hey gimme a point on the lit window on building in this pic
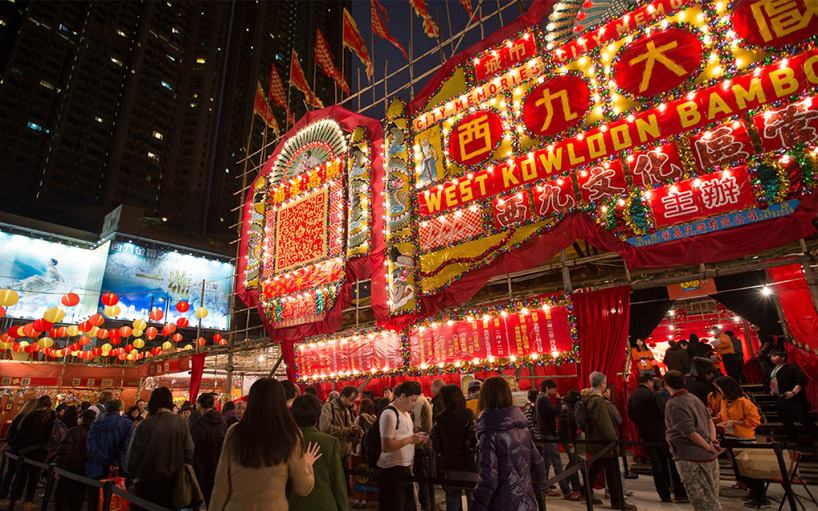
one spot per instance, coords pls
(122, 33)
(46, 84)
(200, 60)
(116, 61)
(158, 135)
(35, 126)
(167, 85)
(153, 156)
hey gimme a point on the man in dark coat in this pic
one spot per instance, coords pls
(603, 429)
(72, 455)
(548, 413)
(646, 408)
(787, 384)
(208, 436)
(676, 358)
(108, 441)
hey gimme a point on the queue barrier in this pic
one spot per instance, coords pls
(108, 488)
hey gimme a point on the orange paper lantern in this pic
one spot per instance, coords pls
(182, 307)
(70, 299)
(109, 299)
(97, 320)
(157, 315)
(125, 331)
(182, 322)
(177, 337)
(151, 333)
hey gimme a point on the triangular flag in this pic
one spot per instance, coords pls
(324, 58)
(298, 79)
(278, 95)
(262, 108)
(354, 41)
(379, 27)
(467, 5)
(429, 26)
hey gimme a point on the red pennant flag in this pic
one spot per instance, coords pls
(354, 41)
(298, 79)
(278, 95)
(428, 25)
(262, 108)
(324, 58)
(379, 27)
(467, 5)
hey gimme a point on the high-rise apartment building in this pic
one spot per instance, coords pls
(144, 103)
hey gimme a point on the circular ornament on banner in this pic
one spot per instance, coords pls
(658, 63)
(556, 105)
(773, 24)
(475, 137)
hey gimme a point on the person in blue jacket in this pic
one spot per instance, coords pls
(108, 441)
(509, 466)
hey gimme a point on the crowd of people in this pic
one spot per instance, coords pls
(283, 449)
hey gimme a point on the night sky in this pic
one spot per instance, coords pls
(398, 25)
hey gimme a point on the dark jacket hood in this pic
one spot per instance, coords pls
(501, 419)
(212, 417)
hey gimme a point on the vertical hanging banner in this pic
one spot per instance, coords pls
(261, 107)
(355, 43)
(298, 79)
(324, 58)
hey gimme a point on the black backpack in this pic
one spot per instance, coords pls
(372, 439)
(583, 419)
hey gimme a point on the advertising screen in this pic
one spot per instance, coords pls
(148, 278)
(42, 272)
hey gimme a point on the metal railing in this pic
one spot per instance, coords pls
(51, 470)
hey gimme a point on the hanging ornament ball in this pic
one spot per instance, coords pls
(139, 343)
(168, 329)
(102, 333)
(217, 338)
(177, 337)
(201, 313)
(151, 333)
(156, 315)
(182, 307)
(122, 356)
(53, 315)
(156, 350)
(109, 299)
(139, 324)
(167, 345)
(202, 342)
(97, 352)
(125, 331)
(129, 348)
(96, 319)
(182, 322)
(42, 325)
(70, 299)
(222, 342)
(8, 297)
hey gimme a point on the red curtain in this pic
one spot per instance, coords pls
(196, 369)
(602, 322)
(793, 294)
(808, 362)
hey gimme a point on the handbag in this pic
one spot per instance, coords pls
(186, 491)
(762, 463)
(466, 480)
(117, 503)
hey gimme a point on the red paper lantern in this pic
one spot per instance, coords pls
(97, 352)
(156, 315)
(140, 356)
(85, 340)
(41, 325)
(109, 299)
(2, 311)
(76, 346)
(156, 350)
(217, 338)
(151, 333)
(202, 342)
(70, 299)
(13, 333)
(222, 342)
(168, 329)
(97, 320)
(6, 338)
(122, 356)
(129, 348)
(125, 331)
(16, 347)
(182, 322)
(182, 307)
(30, 331)
(54, 332)
(62, 331)
(29, 349)
(177, 337)
(85, 326)
(102, 333)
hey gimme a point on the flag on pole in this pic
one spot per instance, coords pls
(262, 108)
(324, 58)
(278, 94)
(354, 41)
(298, 79)
(428, 25)
(467, 5)
(379, 26)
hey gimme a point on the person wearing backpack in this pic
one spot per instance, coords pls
(593, 415)
(208, 433)
(397, 443)
(454, 440)
(99, 408)
(338, 419)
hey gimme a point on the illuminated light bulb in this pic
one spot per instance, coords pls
(440, 365)
(475, 361)
(604, 209)
(621, 202)
(512, 358)
(534, 356)
(486, 317)
(726, 173)
(697, 182)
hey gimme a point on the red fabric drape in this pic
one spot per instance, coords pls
(602, 323)
(197, 362)
(793, 294)
(808, 362)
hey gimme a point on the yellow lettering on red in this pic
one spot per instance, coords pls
(481, 183)
(451, 198)
(717, 106)
(508, 176)
(465, 191)
(809, 69)
(433, 200)
(596, 145)
(529, 167)
(551, 160)
(689, 114)
(621, 137)
(784, 82)
(752, 93)
(572, 158)
(649, 126)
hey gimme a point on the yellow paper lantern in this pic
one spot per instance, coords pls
(106, 347)
(201, 313)
(4, 346)
(59, 353)
(188, 347)
(46, 342)
(137, 333)
(138, 343)
(54, 315)
(92, 332)
(8, 297)
(167, 345)
(139, 325)
(112, 311)
(72, 330)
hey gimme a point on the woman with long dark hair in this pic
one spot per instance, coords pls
(12, 444)
(511, 468)
(454, 440)
(261, 453)
(35, 432)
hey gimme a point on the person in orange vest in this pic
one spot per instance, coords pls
(724, 346)
(642, 357)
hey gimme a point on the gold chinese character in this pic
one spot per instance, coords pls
(783, 15)
(278, 197)
(492, 64)
(474, 131)
(654, 55)
(314, 180)
(517, 51)
(547, 98)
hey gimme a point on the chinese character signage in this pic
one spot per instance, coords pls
(775, 23)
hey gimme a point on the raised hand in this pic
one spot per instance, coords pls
(312, 454)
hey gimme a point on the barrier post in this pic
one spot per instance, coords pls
(107, 492)
(618, 471)
(785, 476)
(49, 486)
(589, 485)
(18, 477)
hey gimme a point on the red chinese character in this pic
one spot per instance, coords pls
(511, 211)
(651, 167)
(599, 184)
(719, 147)
(678, 203)
(719, 192)
(552, 200)
(791, 124)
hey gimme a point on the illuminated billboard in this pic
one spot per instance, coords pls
(42, 272)
(147, 278)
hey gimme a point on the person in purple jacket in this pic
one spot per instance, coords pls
(509, 466)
